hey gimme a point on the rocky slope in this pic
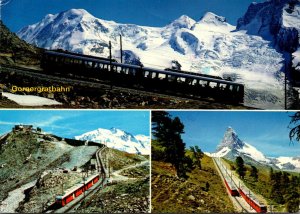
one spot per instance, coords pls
(29, 155)
(277, 21)
(14, 50)
(36, 166)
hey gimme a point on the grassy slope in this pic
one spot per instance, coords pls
(172, 194)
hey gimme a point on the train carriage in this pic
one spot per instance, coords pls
(75, 191)
(249, 197)
(231, 187)
(169, 81)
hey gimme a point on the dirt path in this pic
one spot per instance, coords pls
(116, 174)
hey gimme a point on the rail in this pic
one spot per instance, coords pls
(232, 198)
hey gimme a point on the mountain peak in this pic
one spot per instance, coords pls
(118, 139)
(211, 18)
(230, 140)
(79, 12)
(183, 21)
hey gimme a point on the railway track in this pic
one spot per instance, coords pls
(104, 85)
(241, 207)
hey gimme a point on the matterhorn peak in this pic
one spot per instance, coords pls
(230, 140)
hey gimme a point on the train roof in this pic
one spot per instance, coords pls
(252, 196)
(230, 183)
(70, 191)
(75, 187)
(91, 178)
(179, 74)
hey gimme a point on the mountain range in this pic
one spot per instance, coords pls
(118, 139)
(232, 146)
(253, 53)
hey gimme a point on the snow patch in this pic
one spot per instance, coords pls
(29, 100)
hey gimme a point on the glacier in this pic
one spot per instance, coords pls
(210, 46)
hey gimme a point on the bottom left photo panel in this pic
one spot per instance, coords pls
(74, 161)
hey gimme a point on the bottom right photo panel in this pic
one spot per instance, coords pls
(225, 161)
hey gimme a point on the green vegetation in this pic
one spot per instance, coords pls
(169, 144)
(295, 130)
(183, 180)
(203, 191)
(169, 147)
(16, 51)
(240, 168)
(197, 156)
(254, 173)
(281, 189)
(285, 189)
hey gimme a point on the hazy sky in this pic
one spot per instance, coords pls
(69, 123)
(267, 131)
(20, 13)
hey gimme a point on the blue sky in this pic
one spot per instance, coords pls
(19, 13)
(69, 123)
(267, 131)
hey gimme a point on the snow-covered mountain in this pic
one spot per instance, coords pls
(119, 139)
(231, 147)
(210, 46)
(277, 21)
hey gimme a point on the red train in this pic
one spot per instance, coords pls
(75, 191)
(252, 201)
(231, 187)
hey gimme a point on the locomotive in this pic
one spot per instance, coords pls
(169, 81)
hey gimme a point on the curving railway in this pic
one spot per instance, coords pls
(73, 197)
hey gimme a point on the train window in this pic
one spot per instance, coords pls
(213, 84)
(161, 76)
(203, 82)
(182, 79)
(171, 78)
(146, 73)
(119, 69)
(222, 86)
(154, 75)
(231, 87)
(67, 60)
(194, 82)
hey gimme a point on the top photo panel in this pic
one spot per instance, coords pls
(142, 54)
